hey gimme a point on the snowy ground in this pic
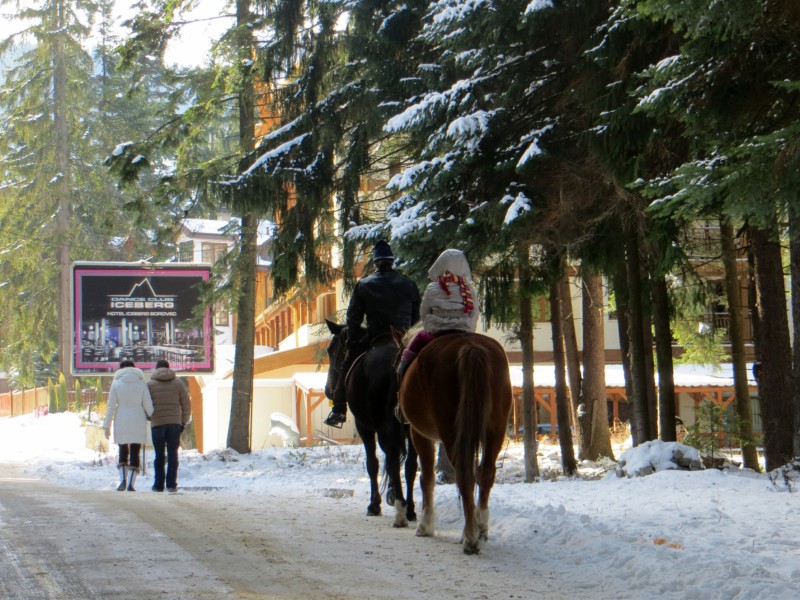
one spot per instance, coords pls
(673, 534)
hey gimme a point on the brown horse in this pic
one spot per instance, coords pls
(458, 391)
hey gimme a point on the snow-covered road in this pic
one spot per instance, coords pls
(66, 543)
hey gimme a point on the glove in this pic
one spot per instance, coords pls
(183, 428)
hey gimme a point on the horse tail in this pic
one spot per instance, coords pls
(474, 376)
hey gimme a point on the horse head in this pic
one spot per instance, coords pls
(337, 347)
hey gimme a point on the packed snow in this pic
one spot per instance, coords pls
(672, 534)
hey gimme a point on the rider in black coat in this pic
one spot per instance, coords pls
(387, 299)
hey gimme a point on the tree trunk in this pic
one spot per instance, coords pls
(794, 267)
(666, 377)
(775, 386)
(639, 402)
(621, 296)
(562, 401)
(571, 351)
(239, 430)
(594, 370)
(63, 203)
(649, 361)
(736, 334)
(526, 343)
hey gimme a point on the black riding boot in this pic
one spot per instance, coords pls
(338, 414)
(408, 358)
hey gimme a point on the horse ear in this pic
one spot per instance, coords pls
(334, 328)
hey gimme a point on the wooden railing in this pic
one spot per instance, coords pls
(23, 402)
(37, 400)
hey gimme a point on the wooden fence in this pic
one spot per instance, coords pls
(24, 402)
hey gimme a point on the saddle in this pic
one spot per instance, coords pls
(364, 345)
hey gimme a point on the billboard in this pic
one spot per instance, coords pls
(142, 312)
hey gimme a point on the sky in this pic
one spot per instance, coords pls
(675, 534)
(189, 48)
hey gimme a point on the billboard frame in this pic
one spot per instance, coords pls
(118, 313)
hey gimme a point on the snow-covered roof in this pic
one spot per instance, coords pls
(311, 381)
(206, 226)
(221, 227)
(685, 376)
(544, 376)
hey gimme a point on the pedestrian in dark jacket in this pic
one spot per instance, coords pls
(171, 412)
(387, 299)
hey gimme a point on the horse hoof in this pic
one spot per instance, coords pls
(371, 512)
(471, 549)
(412, 516)
(422, 532)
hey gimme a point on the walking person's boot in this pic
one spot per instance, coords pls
(132, 480)
(123, 473)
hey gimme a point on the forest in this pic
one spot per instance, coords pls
(632, 143)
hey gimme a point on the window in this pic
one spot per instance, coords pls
(211, 253)
(186, 252)
(221, 315)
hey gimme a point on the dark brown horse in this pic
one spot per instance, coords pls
(371, 389)
(458, 391)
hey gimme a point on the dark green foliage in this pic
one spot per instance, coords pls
(99, 117)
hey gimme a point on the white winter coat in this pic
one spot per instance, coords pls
(440, 311)
(129, 405)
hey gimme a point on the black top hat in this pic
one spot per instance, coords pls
(382, 251)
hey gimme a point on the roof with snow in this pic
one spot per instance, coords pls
(226, 227)
(685, 376)
(698, 376)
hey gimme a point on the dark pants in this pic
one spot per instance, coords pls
(129, 456)
(166, 437)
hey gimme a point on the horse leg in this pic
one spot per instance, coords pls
(391, 450)
(486, 476)
(411, 476)
(374, 508)
(427, 460)
(470, 539)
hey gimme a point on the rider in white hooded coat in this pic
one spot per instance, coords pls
(448, 303)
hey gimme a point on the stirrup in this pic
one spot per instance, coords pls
(335, 420)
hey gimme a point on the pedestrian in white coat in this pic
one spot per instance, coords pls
(129, 407)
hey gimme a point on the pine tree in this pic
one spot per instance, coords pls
(63, 111)
(731, 85)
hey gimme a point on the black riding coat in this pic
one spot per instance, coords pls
(386, 298)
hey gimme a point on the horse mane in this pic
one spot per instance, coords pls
(411, 333)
